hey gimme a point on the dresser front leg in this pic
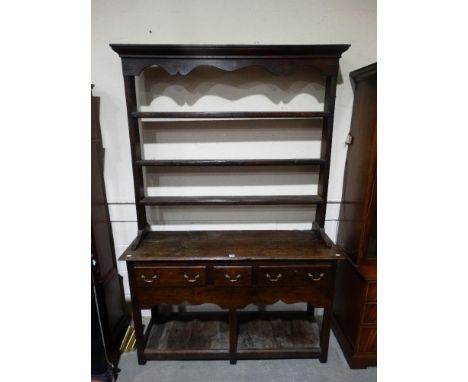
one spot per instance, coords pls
(154, 313)
(233, 333)
(136, 313)
(311, 311)
(138, 325)
(325, 334)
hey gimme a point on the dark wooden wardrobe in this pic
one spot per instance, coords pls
(354, 318)
(109, 317)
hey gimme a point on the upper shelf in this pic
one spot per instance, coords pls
(230, 162)
(231, 115)
(231, 200)
(182, 59)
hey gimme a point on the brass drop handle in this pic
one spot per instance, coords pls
(278, 276)
(315, 278)
(238, 276)
(154, 277)
(187, 277)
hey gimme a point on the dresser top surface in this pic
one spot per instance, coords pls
(230, 246)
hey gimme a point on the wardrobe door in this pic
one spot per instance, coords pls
(357, 210)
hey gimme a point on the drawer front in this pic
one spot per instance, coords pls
(170, 276)
(292, 275)
(232, 276)
(372, 292)
(368, 340)
(370, 314)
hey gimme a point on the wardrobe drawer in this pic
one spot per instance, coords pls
(368, 340)
(170, 276)
(293, 275)
(370, 314)
(372, 292)
(232, 276)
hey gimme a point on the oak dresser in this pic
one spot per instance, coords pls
(231, 269)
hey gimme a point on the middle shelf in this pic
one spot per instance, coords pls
(231, 162)
(231, 114)
(232, 200)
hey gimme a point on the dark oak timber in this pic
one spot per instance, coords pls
(110, 317)
(326, 239)
(327, 135)
(182, 59)
(233, 269)
(232, 115)
(227, 51)
(230, 200)
(233, 334)
(135, 145)
(176, 246)
(231, 162)
(355, 306)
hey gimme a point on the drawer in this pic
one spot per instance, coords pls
(368, 340)
(170, 276)
(232, 276)
(293, 275)
(372, 292)
(370, 314)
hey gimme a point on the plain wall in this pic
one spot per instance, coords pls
(224, 22)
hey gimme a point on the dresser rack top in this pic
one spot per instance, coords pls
(277, 59)
(182, 59)
(132, 50)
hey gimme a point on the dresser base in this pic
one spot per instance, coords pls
(232, 269)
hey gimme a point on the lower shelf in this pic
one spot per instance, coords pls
(278, 333)
(189, 333)
(259, 335)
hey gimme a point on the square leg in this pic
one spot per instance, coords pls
(139, 335)
(325, 334)
(233, 329)
(311, 311)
